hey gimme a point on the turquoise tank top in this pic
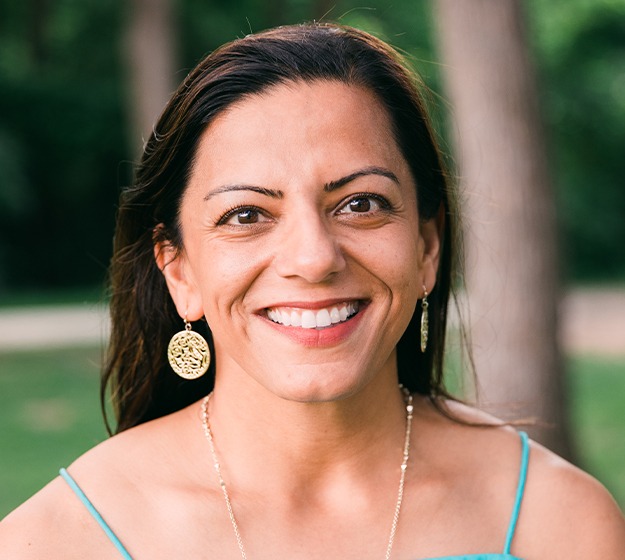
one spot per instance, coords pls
(505, 555)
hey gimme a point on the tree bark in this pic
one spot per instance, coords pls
(149, 50)
(512, 272)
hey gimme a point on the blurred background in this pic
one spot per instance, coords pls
(81, 83)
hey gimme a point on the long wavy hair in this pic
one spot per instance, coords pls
(137, 374)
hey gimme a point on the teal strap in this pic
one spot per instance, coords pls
(94, 512)
(525, 452)
(490, 556)
(509, 536)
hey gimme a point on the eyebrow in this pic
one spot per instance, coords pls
(260, 190)
(328, 187)
(373, 170)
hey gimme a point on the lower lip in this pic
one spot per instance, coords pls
(327, 336)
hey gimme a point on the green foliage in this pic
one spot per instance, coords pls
(67, 162)
(64, 138)
(581, 53)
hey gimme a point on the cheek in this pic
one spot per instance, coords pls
(396, 258)
(226, 274)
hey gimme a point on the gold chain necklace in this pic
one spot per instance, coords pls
(400, 492)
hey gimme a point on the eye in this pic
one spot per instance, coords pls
(364, 204)
(359, 205)
(247, 216)
(242, 215)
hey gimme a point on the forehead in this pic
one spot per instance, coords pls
(303, 122)
(315, 97)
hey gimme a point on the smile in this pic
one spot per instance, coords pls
(313, 318)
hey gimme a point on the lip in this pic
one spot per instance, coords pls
(331, 335)
(320, 304)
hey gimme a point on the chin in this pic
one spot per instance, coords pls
(303, 387)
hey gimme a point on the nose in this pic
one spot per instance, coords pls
(309, 249)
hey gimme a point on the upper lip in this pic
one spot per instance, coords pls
(319, 304)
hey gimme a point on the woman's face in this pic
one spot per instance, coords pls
(302, 242)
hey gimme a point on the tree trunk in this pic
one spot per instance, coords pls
(512, 271)
(150, 54)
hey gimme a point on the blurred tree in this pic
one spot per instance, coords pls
(150, 55)
(62, 135)
(322, 9)
(275, 12)
(512, 257)
(39, 10)
(67, 131)
(582, 50)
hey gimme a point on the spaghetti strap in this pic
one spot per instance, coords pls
(509, 536)
(525, 450)
(96, 515)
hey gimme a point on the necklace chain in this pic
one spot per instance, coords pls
(400, 492)
(209, 436)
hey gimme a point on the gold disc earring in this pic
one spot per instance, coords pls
(425, 323)
(188, 353)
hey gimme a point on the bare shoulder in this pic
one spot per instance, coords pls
(54, 523)
(116, 476)
(51, 524)
(572, 513)
(565, 513)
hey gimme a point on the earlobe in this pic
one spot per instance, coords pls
(174, 265)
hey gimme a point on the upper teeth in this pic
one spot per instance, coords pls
(311, 319)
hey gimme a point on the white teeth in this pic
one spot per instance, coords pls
(286, 318)
(343, 313)
(323, 318)
(296, 319)
(309, 319)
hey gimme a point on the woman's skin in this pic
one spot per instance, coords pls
(300, 201)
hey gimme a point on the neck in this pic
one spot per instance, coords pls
(258, 434)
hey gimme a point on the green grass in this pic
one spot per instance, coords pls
(597, 387)
(50, 414)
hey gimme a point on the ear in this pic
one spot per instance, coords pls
(183, 288)
(431, 232)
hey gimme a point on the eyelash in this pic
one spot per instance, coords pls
(385, 205)
(235, 210)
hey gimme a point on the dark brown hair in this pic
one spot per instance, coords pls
(143, 315)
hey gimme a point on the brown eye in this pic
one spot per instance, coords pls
(364, 204)
(243, 216)
(247, 216)
(360, 205)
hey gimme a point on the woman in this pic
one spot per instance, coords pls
(291, 208)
